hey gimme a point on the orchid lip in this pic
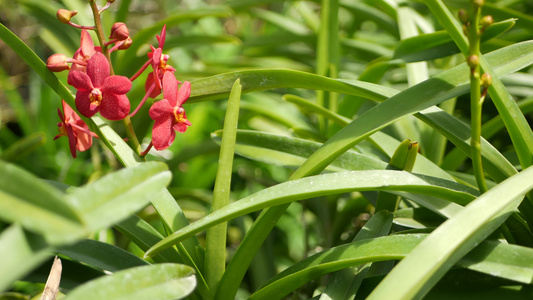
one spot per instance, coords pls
(95, 97)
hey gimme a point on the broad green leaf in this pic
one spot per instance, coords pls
(20, 252)
(427, 263)
(498, 259)
(320, 185)
(101, 255)
(120, 194)
(37, 206)
(161, 281)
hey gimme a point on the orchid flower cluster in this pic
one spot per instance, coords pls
(100, 91)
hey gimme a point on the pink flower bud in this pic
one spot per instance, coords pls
(119, 31)
(64, 15)
(57, 63)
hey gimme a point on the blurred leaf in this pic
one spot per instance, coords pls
(161, 281)
(48, 214)
(23, 147)
(439, 44)
(20, 252)
(292, 152)
(119, 194)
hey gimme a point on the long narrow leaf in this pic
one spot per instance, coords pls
(321, 185)
(427, 263)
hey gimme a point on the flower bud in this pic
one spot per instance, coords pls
(479, 3)
(463, 16)
(125, 44)
(486, 21)
(64, 15)
(57, 63)
(119, 31)
(472, 61)
(486, 80)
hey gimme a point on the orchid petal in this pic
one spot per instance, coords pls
(184, 93)
(85, 140)
(163, 134)
(161, 39)
(83, 104)
(61, 116)
(161, 110)
(182, 127)
(71, 141)
(119, 85)
(87, 45)
(170, 88)
(98, 69)
(80, 81)
(114, 107)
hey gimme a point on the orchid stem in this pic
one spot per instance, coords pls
(100, 32)
(476, 99)
(131, 134)
(143, 100)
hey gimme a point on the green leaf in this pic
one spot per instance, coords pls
(292, 152)
(21, 251)
(320, 185)
(161, 281)
(426, 264)
(439, 44)
(515, 122)
(219, 86)
(215, 244)
(494, 258)
(120, 194)
(101, 255)
(23, 147)
(48, 214)
(344, 283)
(435, 90)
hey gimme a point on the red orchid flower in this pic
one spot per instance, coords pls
(85, 52)
(98, 91)
(158, 60)
(168, 114)
(72, 126)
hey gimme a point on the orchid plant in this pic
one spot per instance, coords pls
(330, 156)
(99, 91)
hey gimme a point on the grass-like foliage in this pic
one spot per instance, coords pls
(266, 149)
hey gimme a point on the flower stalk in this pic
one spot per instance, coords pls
(473, 32)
